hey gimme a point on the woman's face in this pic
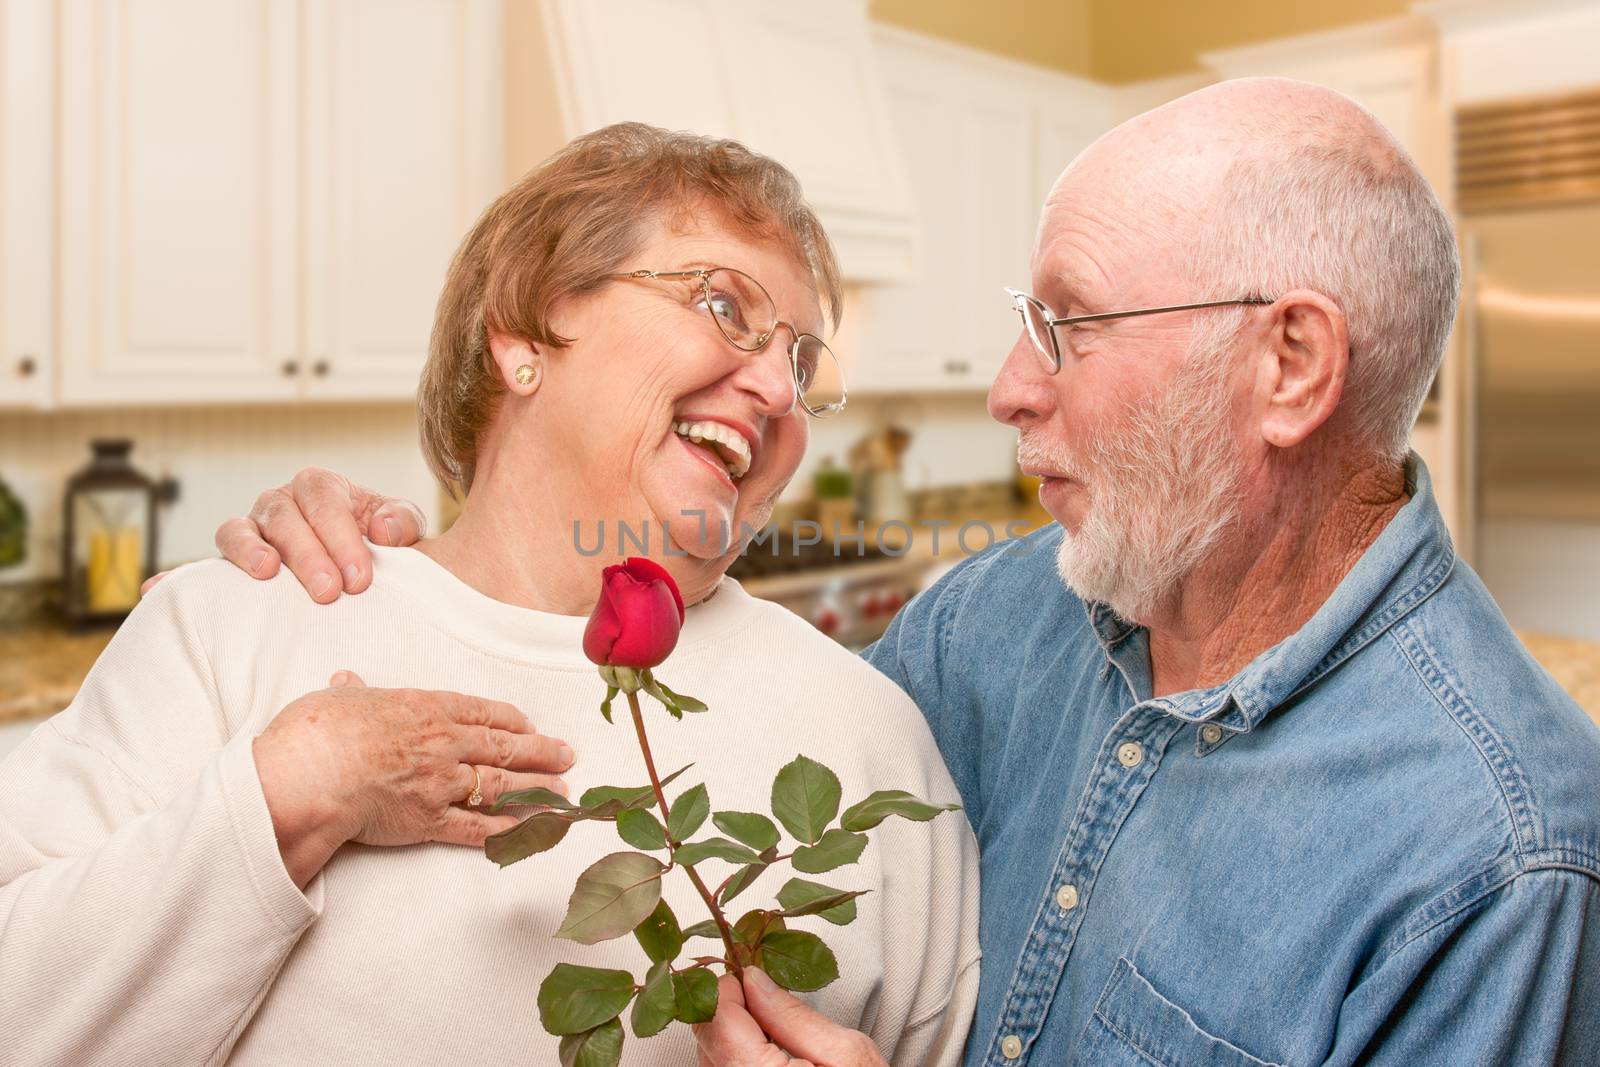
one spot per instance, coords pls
(647, 362)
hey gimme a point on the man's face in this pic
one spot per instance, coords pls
(1133, 437)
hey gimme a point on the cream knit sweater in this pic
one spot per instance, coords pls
(146, 916)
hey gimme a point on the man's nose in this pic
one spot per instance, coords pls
(1022, 392)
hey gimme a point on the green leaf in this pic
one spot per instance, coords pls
(641, 829)
(656, 1004)
(537, 797)
(703, 928)
(688, 813)
(612, 897)
(696, 994)
(754, 926)
(631, 796)
(886, 802)
(605, 705)
(536, 833)
(685, 703)
(754, 830)
(742, 881)
(573, 999)
(661, 694)
(805, 798)
(659, 935)
(719, 847)
(800, 897)
(599, 1047)
(837, 848)
(798, 960)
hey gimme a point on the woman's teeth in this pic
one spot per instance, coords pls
(734, 450)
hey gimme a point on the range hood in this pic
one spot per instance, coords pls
(798, 82)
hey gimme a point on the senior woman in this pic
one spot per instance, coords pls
(210, 858)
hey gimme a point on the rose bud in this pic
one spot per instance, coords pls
(637, 619)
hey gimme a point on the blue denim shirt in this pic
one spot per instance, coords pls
(1378, 843)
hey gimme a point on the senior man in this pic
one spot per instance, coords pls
(1258, 770)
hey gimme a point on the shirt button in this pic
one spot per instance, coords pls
(1067, 897)
(1211, 733)
(1011, 1046)
(1129, 753)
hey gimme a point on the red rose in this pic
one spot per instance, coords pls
(637, 619)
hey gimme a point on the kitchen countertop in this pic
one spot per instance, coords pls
(42, 666)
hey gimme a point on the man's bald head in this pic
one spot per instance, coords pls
(1262, 185)
(1177, 157)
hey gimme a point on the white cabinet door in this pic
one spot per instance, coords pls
(1001, 209)
(178, 201)
(909, 336)
(27, 261)
(403, 135)
(966, 132)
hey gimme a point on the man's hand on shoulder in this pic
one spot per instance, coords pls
(759, 1025)
(315, 524)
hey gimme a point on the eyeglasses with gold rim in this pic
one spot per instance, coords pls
(747, 318)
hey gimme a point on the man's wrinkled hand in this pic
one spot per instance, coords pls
(759, 1025)
(315, 524)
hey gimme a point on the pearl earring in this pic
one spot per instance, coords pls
(527, 374)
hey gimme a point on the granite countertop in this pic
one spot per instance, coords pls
(42, 666)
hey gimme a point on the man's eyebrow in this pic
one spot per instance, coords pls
(1062, 287)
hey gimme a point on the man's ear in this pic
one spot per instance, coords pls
(510, 352)
(1301, 375)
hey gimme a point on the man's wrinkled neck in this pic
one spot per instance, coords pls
(1270, 575)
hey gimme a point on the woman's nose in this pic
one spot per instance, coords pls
(1022, 392)
(768, 376)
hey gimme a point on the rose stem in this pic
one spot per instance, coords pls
(661, 798)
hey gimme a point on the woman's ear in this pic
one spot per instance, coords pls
(1305, 367)
(520, 364)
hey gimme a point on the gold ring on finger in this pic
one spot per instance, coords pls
(475, 797)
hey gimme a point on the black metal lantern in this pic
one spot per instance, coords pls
(110, 544)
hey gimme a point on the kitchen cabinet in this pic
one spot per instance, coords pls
(259, 199)
(403, 151)
(978, 135)
(797, 82)
(27, 348)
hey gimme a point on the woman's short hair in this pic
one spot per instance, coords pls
(557, 233)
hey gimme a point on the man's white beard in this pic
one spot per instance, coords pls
(1162, 489)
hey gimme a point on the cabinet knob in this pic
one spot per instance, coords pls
(290, 368)
(26, 366)
(320, 368)
(956, 366)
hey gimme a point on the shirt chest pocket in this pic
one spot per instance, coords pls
(1134, 1026)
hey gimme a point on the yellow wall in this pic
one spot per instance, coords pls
(1050, 33)
(1136, 39)
(1122, 40)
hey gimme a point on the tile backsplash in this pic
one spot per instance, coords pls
(222, 458)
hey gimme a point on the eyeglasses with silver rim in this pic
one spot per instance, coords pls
(747, 318)
(1040, 322)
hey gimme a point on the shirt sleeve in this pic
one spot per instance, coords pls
(144, 907)
(1512, 977)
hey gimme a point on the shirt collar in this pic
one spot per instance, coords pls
(1402, 568)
